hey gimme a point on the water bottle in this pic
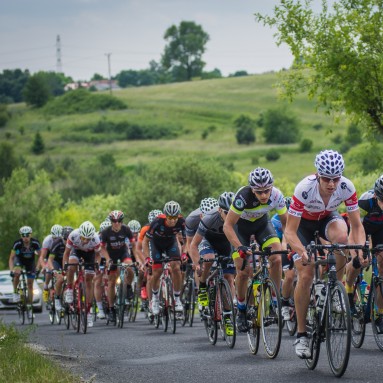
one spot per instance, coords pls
(319, 294)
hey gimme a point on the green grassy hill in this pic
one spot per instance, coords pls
(192, 107)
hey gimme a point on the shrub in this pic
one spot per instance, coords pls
(306, 145)
(272, 155)
(317, 126)
(245, 127)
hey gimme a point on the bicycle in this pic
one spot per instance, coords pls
(23, 307)
(78, 309)
(167, 312)
(263, 305)
(132, 308)
(328, 315)
(188, 296)
(375, 295)
(53, 314)
(220, 310)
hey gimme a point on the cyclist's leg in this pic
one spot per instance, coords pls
(206, 252)
(155, 255)
(173, 253)
(17, 265)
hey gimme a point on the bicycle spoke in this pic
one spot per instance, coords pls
(358, 326)
(228, 314)
(378, 335)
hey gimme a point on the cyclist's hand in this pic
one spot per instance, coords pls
(304, 258)
(363, 261)
(243, 251)
(148, 262)
(184, 258)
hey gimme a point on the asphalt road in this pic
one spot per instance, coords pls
(140, 353)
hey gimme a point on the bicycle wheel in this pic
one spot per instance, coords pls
(338, 329)
(74, 310)
(134, 303)
(51, 306)
(271, 318)
(358, 325)
(186, 304)
(171, 307)
(21, 310)
(211, 325)
(292, 324)
(227, 314)
(253, 330)
(120, 304)
(378, 336)
(164, 307)
(83, 307)
(313, 331)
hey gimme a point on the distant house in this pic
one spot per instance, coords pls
(97, 84)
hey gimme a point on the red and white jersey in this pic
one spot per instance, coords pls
(308, 204)
(74, 242)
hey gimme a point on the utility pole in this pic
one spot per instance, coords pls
(58, 55)
(110, 76)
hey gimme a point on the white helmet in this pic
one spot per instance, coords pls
(172, 208)
(260, 178)
(378, 187)
(153, 214)
(208, 204)
(329, 163)
(25, 230)
(134, 226)
(57, 231)
(87, 230)
(104, 225)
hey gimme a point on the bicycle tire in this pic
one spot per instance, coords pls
(313, 330)
(211, 324)
(134, 304)
(51, 305)
(75, 312)
(171, 307)
(164, 302)
(338, 329)
(374, 315)
(29, 312)
(227, 314)
(358, 325)
(185, 299)
(292, 324)
(253, 330)
(83, 307)
(120, 304)
(271, 318)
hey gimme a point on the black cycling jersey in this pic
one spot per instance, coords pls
(25, 256)
(57, 250)
(116, 242)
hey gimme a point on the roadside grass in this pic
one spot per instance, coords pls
(20, 364)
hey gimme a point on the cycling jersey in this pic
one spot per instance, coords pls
(116, 243)
(308, 203)
(162, 234)
(192, 221)
(143, 231)
(57, 249)
(25, 256)
(276, 222)
(74, 242)
(373, 217)
(250, 208)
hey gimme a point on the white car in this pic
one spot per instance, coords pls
(6, 293)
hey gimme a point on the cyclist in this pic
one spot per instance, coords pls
(49, 240)
(115, 243)
(146, 290)
(314, 208)
(247, 217)
(55, 261)
(210, 241)
(82, 243)
(23, 254)
(162, 238)
(192, 221)
(97, 280)
(371, 205)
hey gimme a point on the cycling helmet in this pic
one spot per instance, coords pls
(260, 178)
(225, 200)
(25, 230)
(172, 208)
(116, 215)
(57, 230)
(104, 225)
(378, 187)
(208, 204)
(134, 226)
(153, 214)
(329, 163)
(87, 230)
(66, 231)
(288, 201)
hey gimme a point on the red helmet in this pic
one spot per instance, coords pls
(116, 216)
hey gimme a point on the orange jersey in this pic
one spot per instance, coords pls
(143, 231)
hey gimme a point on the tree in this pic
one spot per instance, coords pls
(280, 126)
(12, 83)
(337, 54)
(36, 91)
(183, 53)
(38, 145)
(245, 130)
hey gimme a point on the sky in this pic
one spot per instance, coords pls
(131, 33)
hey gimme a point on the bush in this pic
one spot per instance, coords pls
(245, 130)
(306, 145)
(280, 126)
(272, 155)
(317, 126)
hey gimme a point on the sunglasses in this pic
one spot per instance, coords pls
(260, 192)
(116, 220)
(83, 239)
(25, 235)
(329, 179)
(172, 217)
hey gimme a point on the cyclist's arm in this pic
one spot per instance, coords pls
(50, 261)
(194, 253)
(104, 252)
(66, 255)
(228, 228)
(140, 254)
(11, 259)
(292, 236)
(283, 218)
(145, 247)
(357, 233)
